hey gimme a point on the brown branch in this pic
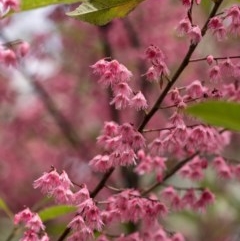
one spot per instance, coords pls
(101, 184)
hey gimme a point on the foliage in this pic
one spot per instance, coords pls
(99, 12)
(218, 113)
(29, 4)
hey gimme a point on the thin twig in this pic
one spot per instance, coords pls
(169, 174)
(168, 128)
(215, 58)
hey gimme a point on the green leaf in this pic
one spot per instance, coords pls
(217, 113)
(31, 4)
(5, 208)
(55, 211)
(101, 12)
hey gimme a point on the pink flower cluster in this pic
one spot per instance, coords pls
(232, 18)
(130, 206)
(186, 26)
(33, 224)
(88, 215)
(223, 70)
(190, 199)
(194, 32)
(148, 164)
(121, 142)
(159, 67)
(117, 76)
(194, 169)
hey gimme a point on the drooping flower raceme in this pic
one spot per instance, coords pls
(117, 76)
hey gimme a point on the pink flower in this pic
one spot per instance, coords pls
(220, 33)
(102, 238)
(234, 28)
(195, 89)
(29, 235)
(114, 67)
(168, 193)
(127, 158)
(77, 223)
(65, 181)
(145, 166)
(113, 143)
(210, 59)
(155, 209)
(122, 88)
(101, 163)
(93, 218)
(215, 74)
(184, 27)
(152, 74)
(62, 195)
(136, 210)
(187, 3)
(138, 141)
(175, 95)
(227, 67)
(107, 78)
(12, 4)
(127, 132)
(160, 235)
(159, 163)
(9, 57)
(139, 102)
(189, 198)
(215, 23)
(123, 74)
(23, 216)
(45, 238)
(81, 196)
(177, 120)
(153, 53)
(76, 236)
(120, 101)
(111, 73)
(181, 133)
(222, 169)
(48, 181)
(82, 235)
(195, 34)
(23, 49)
(100, 67)
(35, 223)
(234, 13)
(110, 128)
(205, 199)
